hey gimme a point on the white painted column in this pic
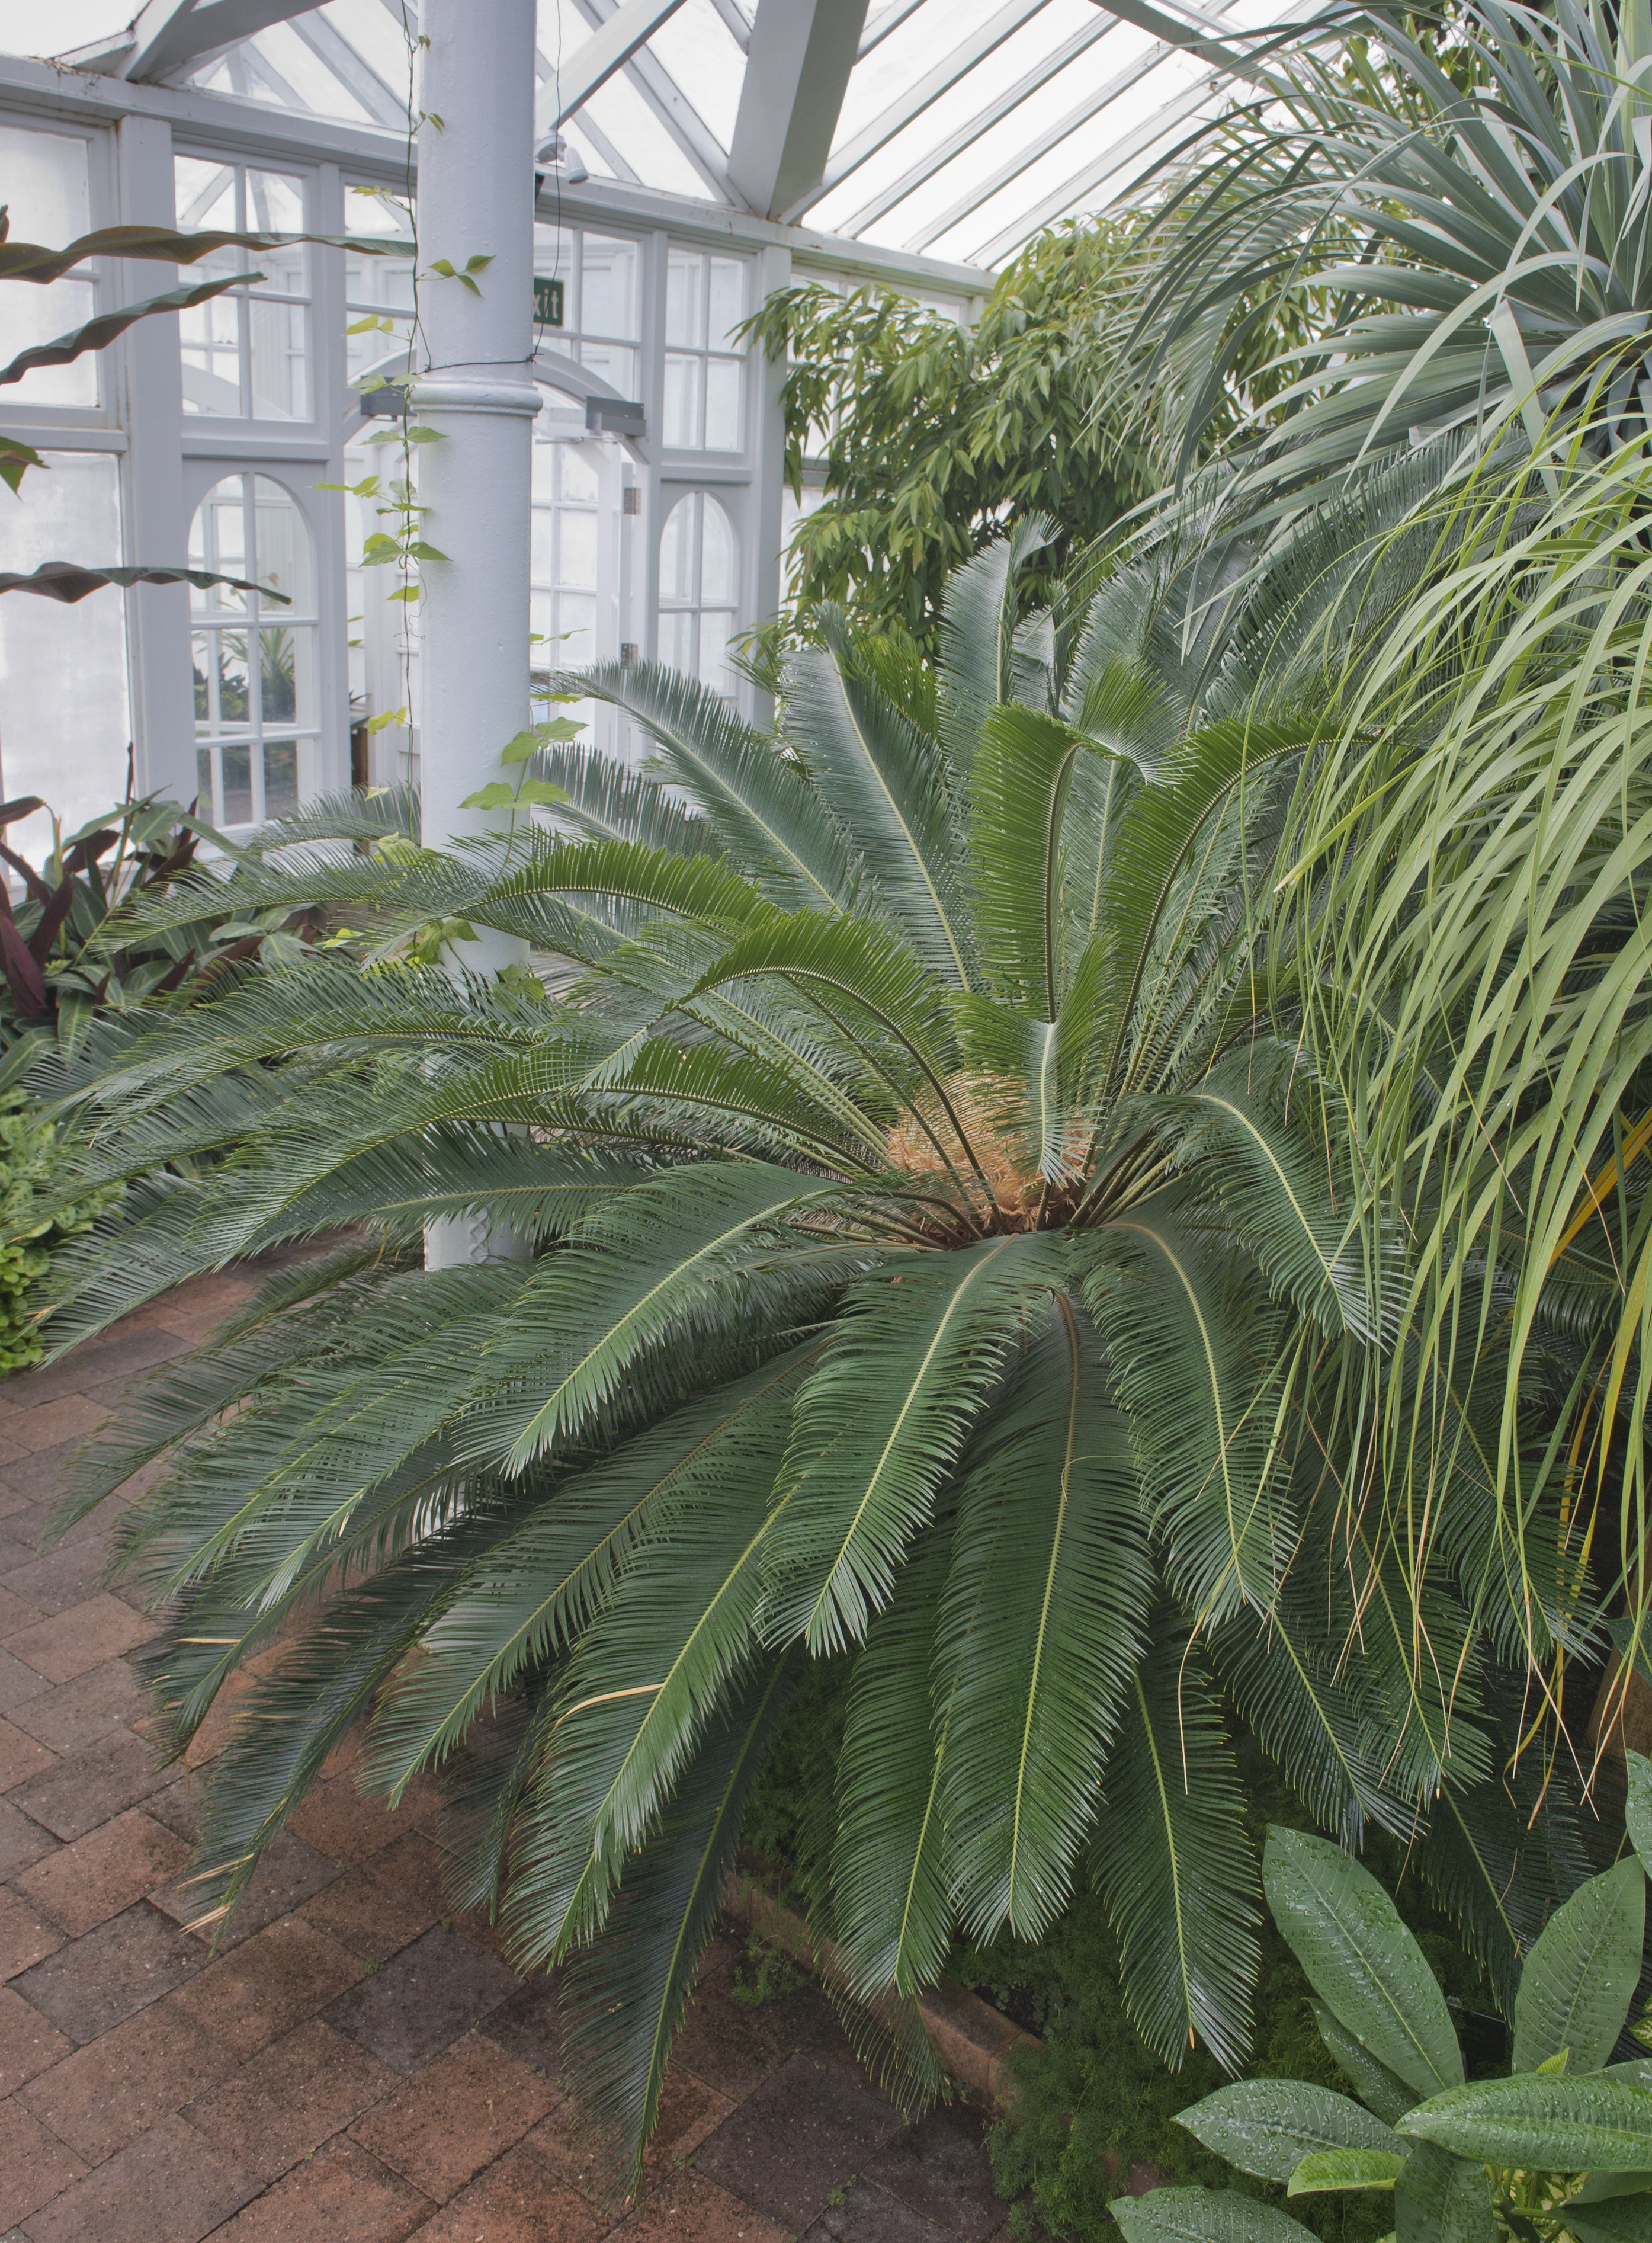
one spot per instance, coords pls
(475, 199)
(156, 521)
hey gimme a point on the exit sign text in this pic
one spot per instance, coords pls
(547, 303)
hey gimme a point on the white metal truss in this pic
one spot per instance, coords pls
(796, 62)
(633, 23)
(956, 63)
(937, 158)
(797, 71)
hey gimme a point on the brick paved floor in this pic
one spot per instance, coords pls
(349, 2066)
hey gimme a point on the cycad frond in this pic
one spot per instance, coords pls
(1174, 1864)
(1041, 1626)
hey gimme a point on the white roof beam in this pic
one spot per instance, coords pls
(631, 26)
(356, 76)
(957, 62)
(936, 159)
(698, 143)
(796, 75)
(168, 37)
(735, 21)
(888, 19)
(1031, 151)
(1065, 198)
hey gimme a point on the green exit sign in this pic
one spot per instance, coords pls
(547, 303)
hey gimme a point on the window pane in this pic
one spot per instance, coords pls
(541, 566)
(275, 204)
(716, 630)
(677, 641)
(210, 340)
(280, 373)
(676, 557)
(205, 191)
(261, 670)
(576, 620)
(616, 366)
(204, 785)
(579, 477)
(608, 290)
(685, 299)
(229, 698)
(283, 545)
(47, 189)
(280, 777)
(716, 556)
(280, 684)
(64, 724)
(724, 378)
(238, 782)
(578, 555)
(544, 472)
(683, 404)
(728, 302)
(218, 541)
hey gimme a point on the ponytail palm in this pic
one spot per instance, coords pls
(1482, 251)
(914, 1240)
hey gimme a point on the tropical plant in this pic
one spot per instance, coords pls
(931, 433)
(1482, 238)
(912, 1233)
(1560, 2149)
(32, 261)
(68, 945)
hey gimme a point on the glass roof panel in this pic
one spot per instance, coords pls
(965, 126)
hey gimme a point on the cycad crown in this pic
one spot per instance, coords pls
(925, 1247)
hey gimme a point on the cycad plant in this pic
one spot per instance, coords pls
(1560, 2151)
(909, 1237)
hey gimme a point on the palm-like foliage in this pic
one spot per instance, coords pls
(915, 1237)
(1484, 257)
(1482, 992)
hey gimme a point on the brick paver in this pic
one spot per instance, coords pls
(345, 2062)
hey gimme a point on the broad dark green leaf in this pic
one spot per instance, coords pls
(1637, 1806)
(1379, 2088)
(1203, 2215)
(1442, 2198)
(1360, 1960)
(1567, 2124)
(1267, 2126)
(1580, 1978)
(1326, 2170)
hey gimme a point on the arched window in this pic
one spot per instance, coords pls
(255, 661)
(698, 575)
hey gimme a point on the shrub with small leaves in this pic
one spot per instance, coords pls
(30, 1226)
